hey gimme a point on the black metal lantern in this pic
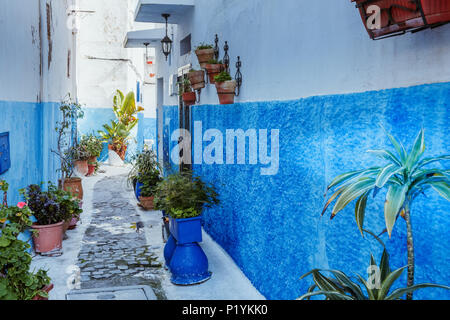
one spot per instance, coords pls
(166, 42)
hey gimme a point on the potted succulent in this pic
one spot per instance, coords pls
(118, 133)
(226, 88)
(197, 79)
(52, 209)
(185, 90)
(145, 175)
(204, 52)
(94, 148)
(16, 280)
(70, 111)
(214, 68)
(183, 196)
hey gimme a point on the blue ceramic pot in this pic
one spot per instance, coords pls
(189, 265)
(186, 230)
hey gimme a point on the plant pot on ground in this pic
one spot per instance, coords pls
(214, 68)
(204, 52)
(146, 173)
(197, 79)
(93, 146)
(73, 185)
(52, 210)
(226, 88)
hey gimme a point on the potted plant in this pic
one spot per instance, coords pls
(183, 196)
(118, 133)
(51, 209)
(145, 174)
(214, 68)
(94, 148)
(80, 157)
(16, 280)
(197, 79)
(226, 88)
(185, 90)
(70, 112)
(204, 52)
(400, 16)
(405, 176)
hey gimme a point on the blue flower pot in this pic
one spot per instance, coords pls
(169, 249)
(189, 265)
(186, 230)
(137, 191)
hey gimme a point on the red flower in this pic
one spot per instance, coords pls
(21, 204)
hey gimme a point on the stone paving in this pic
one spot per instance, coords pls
(113, 253)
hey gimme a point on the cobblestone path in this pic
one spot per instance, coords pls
(112, 253)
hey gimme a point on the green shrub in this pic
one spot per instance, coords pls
(203, 46)
(92, 144)
(222, 77)
(146, 169)
(183, 195)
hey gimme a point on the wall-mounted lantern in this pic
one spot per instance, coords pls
(166, 42)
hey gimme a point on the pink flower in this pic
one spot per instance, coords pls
(21, 204)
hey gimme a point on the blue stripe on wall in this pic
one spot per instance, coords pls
(170, 123)
(271, 225)
(32, 137)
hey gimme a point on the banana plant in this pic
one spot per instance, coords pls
(405, 176)
(125, 108)
(377, 287)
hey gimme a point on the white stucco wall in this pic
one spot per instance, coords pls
(291, 49)
(35, 39)
(100, 37)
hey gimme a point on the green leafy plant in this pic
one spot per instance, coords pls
(118, 133)
(203, 46)
(184, 86)
(146, 169)
(79, 152)
(16, 281)
(341, 287)
(184, 195)
(222, 77)
(405, 176)
(70, 111)
(92, 144)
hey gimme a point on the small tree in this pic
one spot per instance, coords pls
(405, 176)
(70, 112)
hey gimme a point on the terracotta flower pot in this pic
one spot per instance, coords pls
(47, 289)
(204, 56)
(73, 185)
(189, 98)
(197, 79)
(66, 225)
(82, 166)
(48, 238)
(405, 15)
(122, 152)
(213, 70)
(91, 170)
(147, 203)
(226, 91)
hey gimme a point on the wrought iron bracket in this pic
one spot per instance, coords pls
(226, 57)
(238, 76)
(216, 48)
(199, 93)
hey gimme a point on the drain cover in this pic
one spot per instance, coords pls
(113, 293)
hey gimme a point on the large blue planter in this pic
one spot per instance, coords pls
(186, 230)
(189, 265)
(169, 249)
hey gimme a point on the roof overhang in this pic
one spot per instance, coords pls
(152, 10)
(136, 39)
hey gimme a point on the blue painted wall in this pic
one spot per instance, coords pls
(271, 225)
(146, 130)
(170, 123)
(32, 136)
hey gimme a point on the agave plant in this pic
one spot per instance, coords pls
(406, 176)
(341, 287)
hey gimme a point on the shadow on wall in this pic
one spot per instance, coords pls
(271, 225)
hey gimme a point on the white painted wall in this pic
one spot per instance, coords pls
(26, 47)
(101, 36)
(298, 48)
